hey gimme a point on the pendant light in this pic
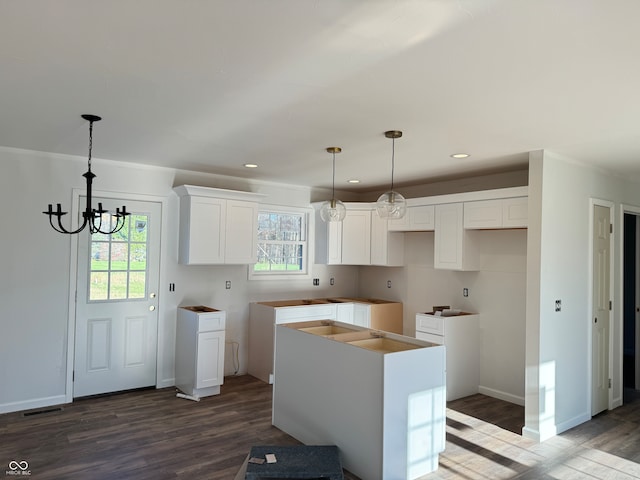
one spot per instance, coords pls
(92, 217)
(333, 210)
(391, 204)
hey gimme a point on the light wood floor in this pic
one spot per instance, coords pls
(151, 434)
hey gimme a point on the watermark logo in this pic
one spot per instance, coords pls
(18, 468)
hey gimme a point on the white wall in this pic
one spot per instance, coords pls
(558, 359)
(34, 288)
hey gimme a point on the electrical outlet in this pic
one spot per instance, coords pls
(465, 292)
(558, 305)
(227, 284)
(332, 281)
(388, 283)
(316, 282)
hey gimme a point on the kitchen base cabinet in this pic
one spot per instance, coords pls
(200, 350)
(460, 334)
(378, 397)
(264, 316)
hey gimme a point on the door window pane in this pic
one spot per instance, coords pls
(119, 261)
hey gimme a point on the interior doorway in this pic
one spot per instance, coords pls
(631, 302)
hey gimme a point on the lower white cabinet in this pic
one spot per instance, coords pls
(460, 335)
(264, 316)
(200, 336)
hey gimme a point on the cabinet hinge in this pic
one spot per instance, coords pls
(609, 304)
(609, 383)
(611, 228)
(73, 376)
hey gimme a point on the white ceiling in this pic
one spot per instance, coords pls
(211, 85)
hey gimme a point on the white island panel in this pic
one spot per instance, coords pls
(382, 405)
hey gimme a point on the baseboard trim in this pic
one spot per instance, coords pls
(33, 403)
(572, 422)
(500, 395)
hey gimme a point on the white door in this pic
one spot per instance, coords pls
(116, 303)
(600, 321)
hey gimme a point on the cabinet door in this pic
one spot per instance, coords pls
(454, 247)
(356, 238)
(241, 232)
(448, 237)
(344, 312)
(387, 248)
(361, 315)
(421, 218)
(202, 240)
(210, 359)
(483, 214)
(515, 212)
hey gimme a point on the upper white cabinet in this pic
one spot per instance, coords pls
(454, 247)
(356, 236)
(419, 218)
(362, 238)
(500, 213)
(387, 248)
(217, 226)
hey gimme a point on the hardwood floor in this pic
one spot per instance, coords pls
(151, 434)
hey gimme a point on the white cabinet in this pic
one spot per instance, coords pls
(454, 247)
(263, 317)
(200, 335)
(387, 248)
(419, 218)
(217, 226)
(347, 242)
(460, 335)
(356, 237)
(362, 315)
(500, 213)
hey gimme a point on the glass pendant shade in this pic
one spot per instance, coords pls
(391, 205)
(333, 211)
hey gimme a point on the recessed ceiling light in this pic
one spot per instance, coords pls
(460, 155)
(354, 180)
(251, 165)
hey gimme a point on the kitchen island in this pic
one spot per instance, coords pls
(378, 396)
(263, 316)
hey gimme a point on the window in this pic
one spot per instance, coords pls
(119, 261)
(282, 243)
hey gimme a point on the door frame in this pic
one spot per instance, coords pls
(73, 278)
(613, 320)
(633, 210)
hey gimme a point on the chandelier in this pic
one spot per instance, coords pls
(391, 204)
(333, 210)
(92, 217)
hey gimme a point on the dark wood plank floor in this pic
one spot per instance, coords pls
(152, 434)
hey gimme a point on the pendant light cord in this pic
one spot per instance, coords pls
(333, 185)
(393, 159)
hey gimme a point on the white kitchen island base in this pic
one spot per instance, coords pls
(379, 397)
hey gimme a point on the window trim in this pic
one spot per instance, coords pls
(307, 256)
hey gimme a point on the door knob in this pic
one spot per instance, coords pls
(152, 295)
(152, 308)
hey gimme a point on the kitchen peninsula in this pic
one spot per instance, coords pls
(263, 316)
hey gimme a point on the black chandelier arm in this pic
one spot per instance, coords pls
(59, 214)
